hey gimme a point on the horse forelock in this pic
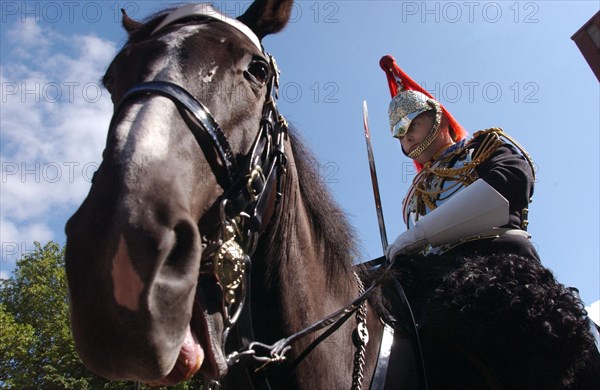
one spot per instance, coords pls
(150, 23)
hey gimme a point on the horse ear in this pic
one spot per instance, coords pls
(266, 17)
(129, 24)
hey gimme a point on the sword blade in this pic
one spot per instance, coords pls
(374, 182)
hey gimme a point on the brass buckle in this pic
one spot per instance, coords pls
(256, 173)
(524, 220)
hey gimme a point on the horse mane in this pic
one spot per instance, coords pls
(332, 230)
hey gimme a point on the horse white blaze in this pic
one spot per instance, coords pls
(127, 284)
(143, 137)
(150, 141)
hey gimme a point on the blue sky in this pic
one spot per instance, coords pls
(492, 64)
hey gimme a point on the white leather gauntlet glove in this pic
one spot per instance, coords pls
(411, 241)
(477, 208)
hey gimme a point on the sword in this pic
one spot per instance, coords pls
(380, 220)
(384, 244)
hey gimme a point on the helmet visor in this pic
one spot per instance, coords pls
(400, 128)
(405, 107)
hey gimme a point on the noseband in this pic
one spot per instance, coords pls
(185, 102)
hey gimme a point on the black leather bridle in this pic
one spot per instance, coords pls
(248, 192)
(187, 103)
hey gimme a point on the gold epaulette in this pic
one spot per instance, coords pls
(497, 134)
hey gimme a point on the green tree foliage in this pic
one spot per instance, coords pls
(36, 345)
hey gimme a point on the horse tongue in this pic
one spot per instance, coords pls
(188, 362)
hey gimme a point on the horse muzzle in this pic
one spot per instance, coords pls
(136, 291)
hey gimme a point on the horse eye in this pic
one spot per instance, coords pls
(259, 71)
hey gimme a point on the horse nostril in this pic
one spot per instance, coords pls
(184, 246)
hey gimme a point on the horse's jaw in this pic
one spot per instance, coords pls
(157, 325)
(207, 323)
(201, 351)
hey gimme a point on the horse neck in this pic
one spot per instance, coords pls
(313, 261)
(306, 280)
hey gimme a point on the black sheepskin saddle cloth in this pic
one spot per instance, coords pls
(497, 321)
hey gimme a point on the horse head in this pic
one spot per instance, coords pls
(193, 118)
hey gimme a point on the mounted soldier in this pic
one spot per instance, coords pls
(466, 257)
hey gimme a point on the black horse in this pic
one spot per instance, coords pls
(150, 296)
(199, 172)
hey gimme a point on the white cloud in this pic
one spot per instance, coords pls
(17, 240)
(53, 126)
(32, 39)
(12, 233)
(594, 311)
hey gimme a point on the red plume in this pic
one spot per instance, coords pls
(393, 71)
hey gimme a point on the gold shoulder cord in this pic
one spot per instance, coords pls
(465, 174)
(514, 142)
(501, 133)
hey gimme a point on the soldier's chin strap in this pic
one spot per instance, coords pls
(476, 209)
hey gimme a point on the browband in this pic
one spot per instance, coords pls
(207, 10)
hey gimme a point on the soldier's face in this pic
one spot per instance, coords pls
(417, 131)
(419, 128)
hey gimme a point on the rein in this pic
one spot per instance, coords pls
(277, 350)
